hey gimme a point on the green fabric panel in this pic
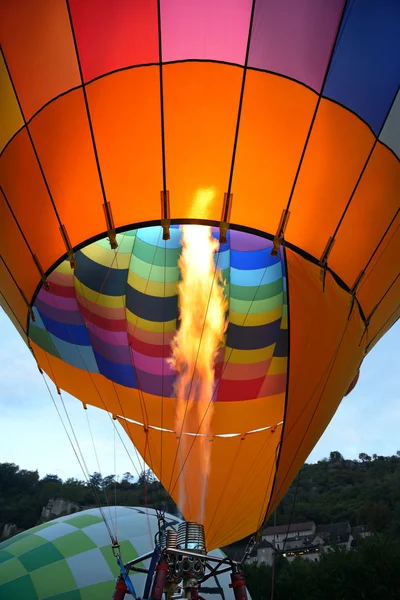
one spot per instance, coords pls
(83, 521)
(71, 595)
(42, 339)
(74, 543)
(4, 555)
(42, 526)
(154, 273)
(53, 579)
(12, 569)
(128, 553)
(155, 255)
(25, 544)
(19, 589)
(99, 591)
(40, 557)
(256, 307)
(252, 292)
(13, 539)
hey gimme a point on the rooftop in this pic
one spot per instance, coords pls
(293, 528)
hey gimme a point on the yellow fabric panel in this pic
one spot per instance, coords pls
(114, 259)
(64, 268)
(254, 320)
(100, 299)
(278, 366)
(248, 356)
(139, 323)
(325, 354)
(241, 468)
(152, 288)
(11, 118)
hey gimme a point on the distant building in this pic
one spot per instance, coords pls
(305, 540)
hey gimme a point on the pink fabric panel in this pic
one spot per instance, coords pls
(205, 29)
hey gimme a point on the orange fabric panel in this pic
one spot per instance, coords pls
(325, 354)
(336, 153)
(371, 210)
(274, 124)
(382, 270)
(39, 49)
(10, 115)
(12, 301)
(25, 190)
(125, 111)
(97, 390)
(385, 314)
(61, 136)
(201, 104)
(15, 253)
(239, 482)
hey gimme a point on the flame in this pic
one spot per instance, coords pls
(194, 351)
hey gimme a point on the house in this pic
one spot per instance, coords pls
(283, 536)
(306, 540)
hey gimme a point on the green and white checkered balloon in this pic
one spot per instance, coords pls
(70, 558)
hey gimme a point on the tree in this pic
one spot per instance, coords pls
(335, 457)
(364, 457)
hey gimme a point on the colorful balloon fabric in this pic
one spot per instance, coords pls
(279, 120)
(71, 558)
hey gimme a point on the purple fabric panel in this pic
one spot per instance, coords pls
(151, 365)
(69, 317)
(243, 242)
(116, 338)
(157, 385)
(205, 29)
(295, 38)
(60, 302)
(117, 354)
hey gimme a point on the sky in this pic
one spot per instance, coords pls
(32, 435)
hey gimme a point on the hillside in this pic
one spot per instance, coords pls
(364, 491)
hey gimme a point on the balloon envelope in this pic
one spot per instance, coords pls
(279, 119)
(70, 558)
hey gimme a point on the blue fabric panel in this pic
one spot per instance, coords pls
(252, 338)
(123, 374)
(256, 276)
(81, 357)
(282, 345)
(99, 278)
(253, 260)
(74, 334)
(151, 308)
(365, 70)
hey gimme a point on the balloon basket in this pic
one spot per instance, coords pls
(183, 566)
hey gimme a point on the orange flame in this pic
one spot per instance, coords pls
(194, 351)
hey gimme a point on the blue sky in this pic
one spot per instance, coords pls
(32, 436)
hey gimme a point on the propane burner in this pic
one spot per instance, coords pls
(191, 537)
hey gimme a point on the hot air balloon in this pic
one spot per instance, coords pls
(70, 557)
(127, 128)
